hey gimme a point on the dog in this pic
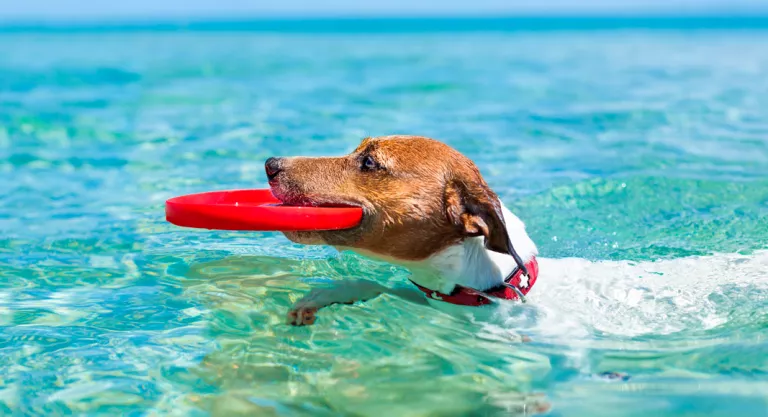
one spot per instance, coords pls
(425, 207)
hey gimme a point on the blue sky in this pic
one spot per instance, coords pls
(117, 9)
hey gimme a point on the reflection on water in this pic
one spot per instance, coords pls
(350, 363)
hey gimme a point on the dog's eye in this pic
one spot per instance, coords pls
(369, 164)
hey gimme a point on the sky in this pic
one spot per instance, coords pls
(131, 9)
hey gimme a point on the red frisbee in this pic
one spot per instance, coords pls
(255, 210)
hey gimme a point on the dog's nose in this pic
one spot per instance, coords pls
(273, 166)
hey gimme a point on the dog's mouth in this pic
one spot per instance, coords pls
(308, 202)
(300, 200)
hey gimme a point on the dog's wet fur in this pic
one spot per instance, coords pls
(426, 207)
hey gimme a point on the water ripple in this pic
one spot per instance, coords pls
(639, 157)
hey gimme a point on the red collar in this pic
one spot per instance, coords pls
(470, 297)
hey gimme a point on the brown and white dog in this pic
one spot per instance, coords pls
(426, 207)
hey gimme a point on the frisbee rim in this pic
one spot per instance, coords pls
(261, 211)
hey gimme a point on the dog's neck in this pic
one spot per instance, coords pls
(470, 264)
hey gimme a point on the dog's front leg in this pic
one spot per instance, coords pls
(341, 292)
(304, 311)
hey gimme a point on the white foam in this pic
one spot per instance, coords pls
(581, 298)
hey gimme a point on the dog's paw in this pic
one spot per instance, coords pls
(304, 311)
(302, 316)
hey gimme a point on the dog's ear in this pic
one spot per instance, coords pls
(476, 210)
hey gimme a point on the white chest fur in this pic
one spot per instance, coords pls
(470, 264)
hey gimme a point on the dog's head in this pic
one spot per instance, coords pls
(418, 196)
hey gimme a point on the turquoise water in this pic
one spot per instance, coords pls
(640, 153)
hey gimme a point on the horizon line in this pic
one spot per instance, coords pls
(356, 23)
(557, 14)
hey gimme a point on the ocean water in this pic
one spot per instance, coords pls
(637, 155)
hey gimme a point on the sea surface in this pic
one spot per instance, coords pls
(635, 150)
